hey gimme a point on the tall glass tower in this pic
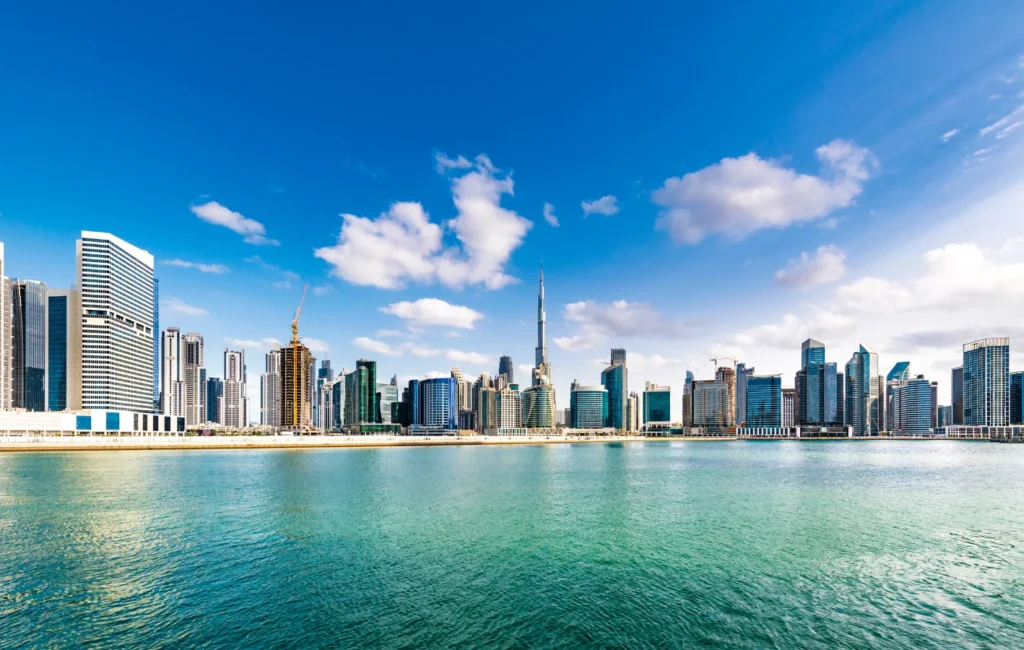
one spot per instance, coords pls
(28, 345)
(865, 409)
(987, 382)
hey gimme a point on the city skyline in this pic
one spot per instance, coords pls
(897, 231)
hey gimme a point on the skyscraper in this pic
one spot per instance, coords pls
(270, 389)
(542, 367)
(657, 403)
(387, 394)
(28, 345)
(192, 378)
(763, 401)
(727, 376)
(788, 407)
(5, 336)
(506, 369)
(956, 388)
(539, 406)
(987, 382)
(633, 412)
(1017, 398)
(588, 407)
(60, 316)
(214, 394)
(438, 404)
(616, 380)
(865, 409)
(819, 388)
(233, 403)
(710, 403)
(172, 373)
(297, 386)
(324, 377)
(742, 373)
(811, 352)
(688, 400)
(361, 393)
(914, 405)
(509, 407)
(117, 328)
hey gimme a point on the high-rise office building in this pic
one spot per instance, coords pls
(539, 406)
(914, 406)
(1017, 398)
(297, 386)
(728, 377)
(214, 394)
(945, 416)
(172, 373)
(633, 412)
(439, 404)
(789, 407)
(271, 399)
(116, 368)
(233, 403)
(387, 395)
(509, 407)
(956, 387)
(361, 393)
(542, 366)
(324, 377)
(193, 374)
(987, 382)
(763, 401)
(588, 407)
(865, 404)
(687, 400)
(657, 403)
(811, 352)
(742, 373)
(615, 378)
(338, 402)
(899, 374)
(710, 404)
(61, 306)
(28, 345)
(506, 369)
(156, 345)
(5, 336)
(819, 388)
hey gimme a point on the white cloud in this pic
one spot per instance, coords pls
(738, 196)
(791, 331)
(434, 311)
(598, 323)
(1005, 125)
(315, 345)
(524, 367)
(282, 284)
(418, 350)
(322, 290)
(473, 358)
(203, 268)
(403, 245)
(380, 347)
(179, 307)
(266, 343)
(549, 215)
(389, 333)
(606, 205)
(826, 265)
(253, 231)
(949, 135)
(444, 163)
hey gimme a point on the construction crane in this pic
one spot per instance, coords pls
(734, 360)
(295, 359)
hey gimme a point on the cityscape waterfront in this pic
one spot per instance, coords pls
(92, 359)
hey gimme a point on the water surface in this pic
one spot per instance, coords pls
(664, 545)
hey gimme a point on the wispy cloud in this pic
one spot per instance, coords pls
(549, 215)
(204, 268)
(253, 231)
(177, 306)
(949, 135)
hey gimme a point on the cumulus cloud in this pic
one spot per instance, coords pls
(379, 347)
(444, 163)
(253, 231)
(827, 264)
(315, 345)
(738, 196)
(791, 331)
(597, 323)
(949, 135)
(606, 205)
(404, 245)
(953, 338)
(472, 358)
(434, 311)
(202, 268)
(177, 306)
(549, 215)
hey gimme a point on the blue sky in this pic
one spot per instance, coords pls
(849, 171)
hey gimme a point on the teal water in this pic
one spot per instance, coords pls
(662, 545)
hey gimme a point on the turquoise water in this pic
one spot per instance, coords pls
(663, 545)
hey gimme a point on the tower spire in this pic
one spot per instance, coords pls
(541, 366)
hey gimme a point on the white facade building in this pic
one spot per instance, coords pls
(270, 390)
(172, 371)
(5, 336)
(115, 368)
(234, 405)
(192, 379)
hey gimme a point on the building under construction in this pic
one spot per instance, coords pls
(296, 378)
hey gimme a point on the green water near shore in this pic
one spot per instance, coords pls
(735, 544)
